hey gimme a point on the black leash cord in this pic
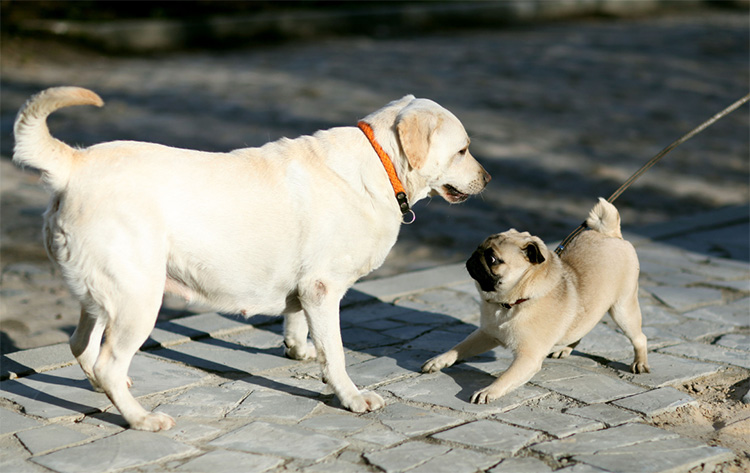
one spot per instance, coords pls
(656, 159)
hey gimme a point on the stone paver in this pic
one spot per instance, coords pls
(655, 402)
(124, 450)
(241, 405)
(280, 440)
(490, 435)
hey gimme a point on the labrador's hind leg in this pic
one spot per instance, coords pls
(127, 328)
(86, 342)
(296, 344)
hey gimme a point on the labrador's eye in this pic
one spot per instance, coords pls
(463, 152)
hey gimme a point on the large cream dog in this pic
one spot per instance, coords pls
(285, 228)
(536, 303)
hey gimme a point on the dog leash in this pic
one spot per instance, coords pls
(654, 160)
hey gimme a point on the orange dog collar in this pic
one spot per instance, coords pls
(398, 188)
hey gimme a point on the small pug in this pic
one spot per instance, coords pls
(537, 303)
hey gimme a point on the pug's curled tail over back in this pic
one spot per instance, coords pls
(605, 219)
(35, 147)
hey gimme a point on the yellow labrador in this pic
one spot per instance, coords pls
(537, 304)
(285, 228)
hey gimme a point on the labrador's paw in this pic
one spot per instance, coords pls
(365, 401)
(303, 352)
(154, 422)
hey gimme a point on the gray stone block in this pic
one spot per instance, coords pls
(213, 324)
(223, 357)
(356, 338)
(667, 370)
(388, 289)
(491, 435)
(437, 341)
(455, 304)
(12, 422)
(693, 329)
(191, 432)
(521, 465)
(387, 368)
(706, 352)
(67, 392)
(49, 437)
(453, 388)
(405, 456)
(457, 460)
(341, 424)
(549, 420)
(259, 338)
(660, 455)
(359, 315)
(203, 401)
(413, 421)
(334, 466)
(683, 299)
(611, 416)
(379, 435)
(657, 401)
(590, 443)
(225, 461)
(280, 440)
(736, 314)
(128, 449)
(35, 360)
(657, 315)
(592, 388)
(735, 340)
(274, 405)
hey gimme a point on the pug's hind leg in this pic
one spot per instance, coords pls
(565, 352)
(627, 315)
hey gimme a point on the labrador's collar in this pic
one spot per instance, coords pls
(509, 305)
(398, 188)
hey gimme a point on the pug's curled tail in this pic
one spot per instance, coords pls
(605, 219)
(35, 147)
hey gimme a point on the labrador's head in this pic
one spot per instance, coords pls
(436, 146)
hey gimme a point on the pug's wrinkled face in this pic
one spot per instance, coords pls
(501, 260)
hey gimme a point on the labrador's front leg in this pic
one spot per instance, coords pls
(323, 319)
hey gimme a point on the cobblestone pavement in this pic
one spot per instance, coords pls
(239, 401)
(559, 113)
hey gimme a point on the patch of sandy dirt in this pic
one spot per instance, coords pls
(720, 418)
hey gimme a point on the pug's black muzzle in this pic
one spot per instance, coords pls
(480, 273)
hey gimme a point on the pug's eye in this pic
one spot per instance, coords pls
(491, 259)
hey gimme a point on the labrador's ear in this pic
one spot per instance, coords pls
(415, 127)
(534, 253)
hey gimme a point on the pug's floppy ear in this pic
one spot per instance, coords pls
(414, 130)
(534, 253)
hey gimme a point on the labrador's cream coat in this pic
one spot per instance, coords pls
(285, 228)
